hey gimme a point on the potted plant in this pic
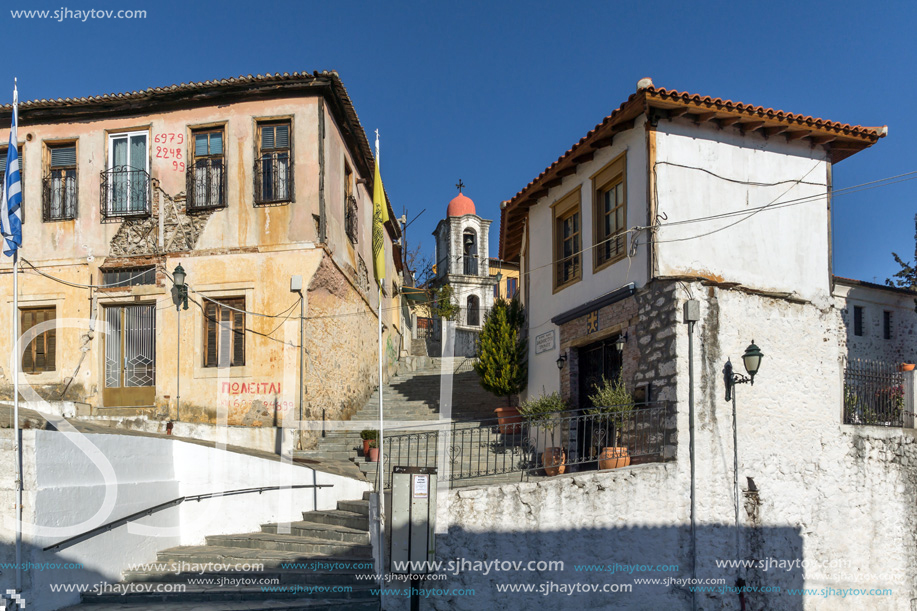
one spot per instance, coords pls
(543, 412)
(908, 366)
(500, 362)
(367, 435)
(373, 451)
(611, 401)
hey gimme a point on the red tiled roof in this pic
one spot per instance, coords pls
(821, 131)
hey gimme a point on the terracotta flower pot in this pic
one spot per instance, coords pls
(554, 461)
(510, 420)
(908, 366)
(366, 447)
(374, 455)
(613, 458)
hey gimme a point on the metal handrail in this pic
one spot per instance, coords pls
(174, 502)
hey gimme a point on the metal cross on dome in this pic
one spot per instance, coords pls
(460, 185)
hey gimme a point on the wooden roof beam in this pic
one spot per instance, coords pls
(568, 171)
(728, 121)
(601, 142)
(774, 130)
(703, 117)
(549, 184)
(796, 135)
(674, 113)
(584, 157)
(751, 126)
(822, 138)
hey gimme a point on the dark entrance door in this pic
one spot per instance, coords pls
(596, 361)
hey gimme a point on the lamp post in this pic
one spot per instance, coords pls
(179, 298)
(752, 361)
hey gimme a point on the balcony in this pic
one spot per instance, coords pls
(125, 193)
(205, 185)
(351, 218)
(59, 195)
(273, 179)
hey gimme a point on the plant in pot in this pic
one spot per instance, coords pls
(544, 412)
(373, 451)
(500, 363)
(367, 435)
(611, 402)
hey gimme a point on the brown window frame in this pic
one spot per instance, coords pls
(258, 197)
(71, 174)
(44, 344)
(207, 162)
(569, 206)
(214, 313)
(609, 178)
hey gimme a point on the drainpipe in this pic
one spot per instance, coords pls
(322, 220)
(691, 316)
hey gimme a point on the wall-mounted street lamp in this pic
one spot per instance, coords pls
(752, 361)
(179, 298)
(619, 343)
(561, 360)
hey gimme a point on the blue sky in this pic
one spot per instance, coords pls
(493, 92)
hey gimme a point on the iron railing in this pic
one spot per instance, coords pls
(424, 327)
(125, 192)
(873, 393)
(471, 450)
(273, 179)
(205, 185)
(59, 195)
(351, 218)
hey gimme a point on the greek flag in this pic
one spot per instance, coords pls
(10, 205)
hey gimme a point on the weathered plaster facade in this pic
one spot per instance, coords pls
(240, 250)
(877, 302)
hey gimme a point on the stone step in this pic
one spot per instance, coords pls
(278, 576)
(270, 559)
(337, 518)
(361, 507)
(328, 454)
(317, 530)
(263, 605)
(216, 593)
(290, 543)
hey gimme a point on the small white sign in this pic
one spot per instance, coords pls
(544, 342)
(421, 486)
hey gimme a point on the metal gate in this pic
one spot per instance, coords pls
(130, 356)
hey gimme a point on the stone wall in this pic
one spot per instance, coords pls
(841, 499)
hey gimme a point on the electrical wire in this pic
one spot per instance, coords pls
(87, 286)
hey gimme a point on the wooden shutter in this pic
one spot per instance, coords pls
(210, 334)
(28, 359)
(50, 343)
(238, 335)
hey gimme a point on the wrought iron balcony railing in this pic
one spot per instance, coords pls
(205, 185)
(351, 218)
(484, 448)
(125, 193)
(273, 179)
(874, 393)
(59, 195)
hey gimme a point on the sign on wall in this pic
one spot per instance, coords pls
(544, 342)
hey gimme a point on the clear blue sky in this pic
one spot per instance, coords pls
(493, 92)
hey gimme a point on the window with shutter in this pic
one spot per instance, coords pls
(274, 164)
(206, 177)
(40, 354)
(59, 187)
(224, 332)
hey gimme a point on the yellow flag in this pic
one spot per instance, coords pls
(380, 217)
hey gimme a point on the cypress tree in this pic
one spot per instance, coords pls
(501, 354)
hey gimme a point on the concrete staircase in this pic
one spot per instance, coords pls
(317, 563)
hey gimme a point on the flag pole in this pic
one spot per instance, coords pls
(17, 446)
(381, 472)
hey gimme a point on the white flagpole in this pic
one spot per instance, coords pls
(16, 441)
(381, 473)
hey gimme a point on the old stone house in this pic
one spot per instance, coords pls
(676, 197)
(246, 183)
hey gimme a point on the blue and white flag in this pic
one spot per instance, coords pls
(11, 204)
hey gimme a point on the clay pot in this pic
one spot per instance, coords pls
(366, 447)
(510, 420)
(554, 461)
(373, 454)
(613, 458)
(908, 366)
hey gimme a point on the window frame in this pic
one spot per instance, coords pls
(613, 174)
(40, 338)
(237, 330)
(858, 321)
(886, 324)
(193, 158)
(108, 214)
(260, 124)
(48, 147)
(564, 208)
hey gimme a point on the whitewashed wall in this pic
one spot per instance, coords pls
(841, 498)
(543, 302)
(63, 487)
(781, 250)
